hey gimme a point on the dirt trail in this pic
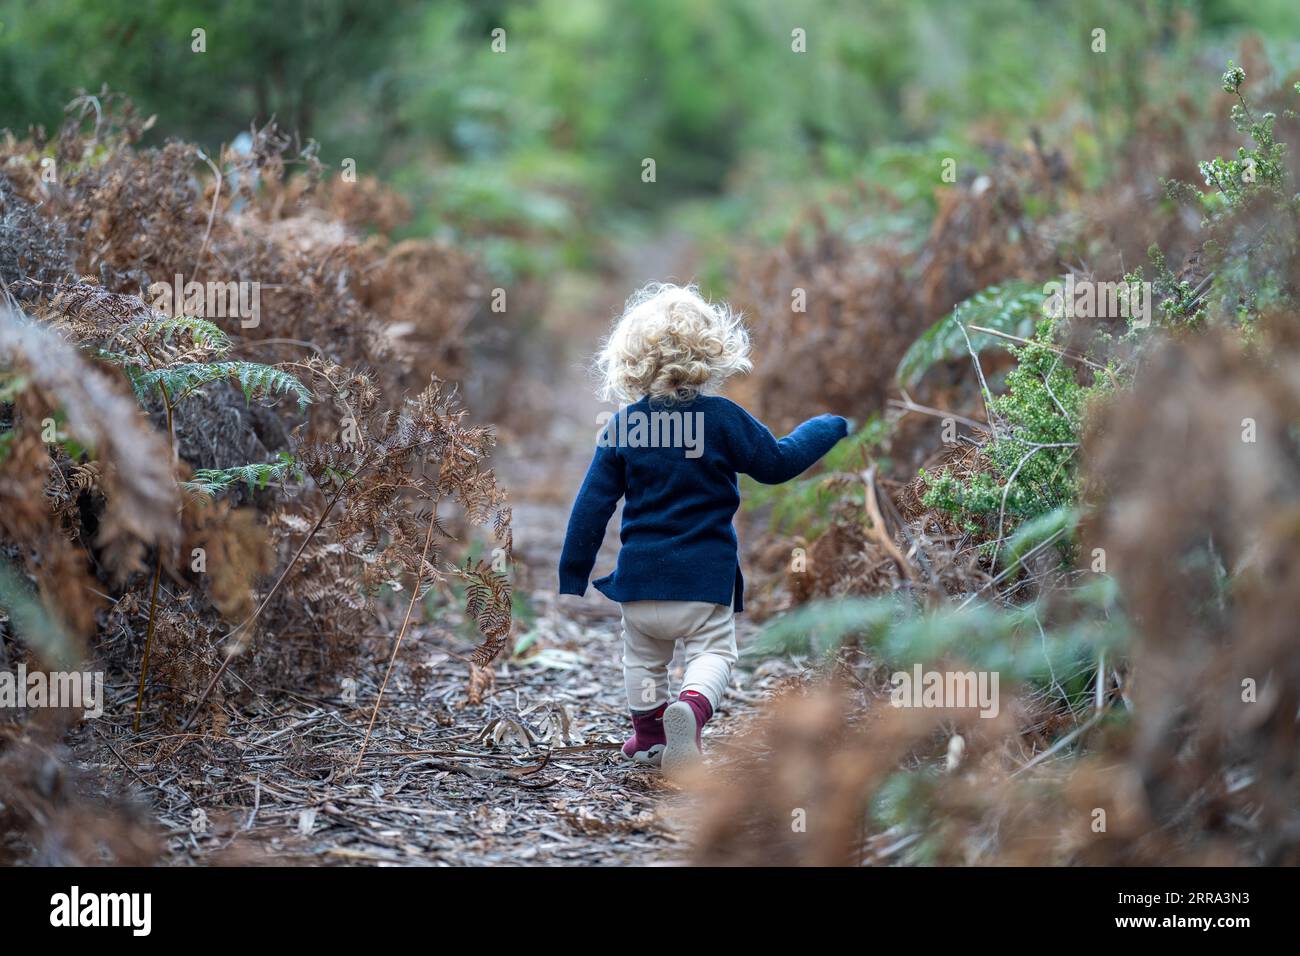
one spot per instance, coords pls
(543, 469)
(522, 768)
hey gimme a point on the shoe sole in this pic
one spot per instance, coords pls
(681, 751)
(649, 758)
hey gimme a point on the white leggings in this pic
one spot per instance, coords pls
(651, 629)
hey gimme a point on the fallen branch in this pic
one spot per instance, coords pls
(876, 529)
(907, 405)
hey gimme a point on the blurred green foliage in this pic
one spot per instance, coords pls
(540, 144)
(33, 624)
(1031, 643)
(300, 60)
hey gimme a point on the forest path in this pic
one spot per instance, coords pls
(543, 467)
(520, 767)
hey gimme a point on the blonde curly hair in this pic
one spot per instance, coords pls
(671, 344)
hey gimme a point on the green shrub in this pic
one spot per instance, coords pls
(1251, 217)
(1033, 452)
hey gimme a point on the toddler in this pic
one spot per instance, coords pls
(673, 454)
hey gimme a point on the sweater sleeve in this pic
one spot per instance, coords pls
(771, 462)
(604, 485)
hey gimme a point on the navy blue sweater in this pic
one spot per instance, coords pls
(678, 475)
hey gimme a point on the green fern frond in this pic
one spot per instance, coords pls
(120, 359)
(822, 626)
(256, 380)
(210, 482)
(1014, 308)
(1007, 640)
(201, 332)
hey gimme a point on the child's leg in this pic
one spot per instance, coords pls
(645, 657)
(710, 654)
(708, 635)
(645, 675)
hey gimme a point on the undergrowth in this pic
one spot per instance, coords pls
(1130, 494)
(274, 486)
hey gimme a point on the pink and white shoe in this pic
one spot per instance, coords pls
(646, 745)
(682, 722)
